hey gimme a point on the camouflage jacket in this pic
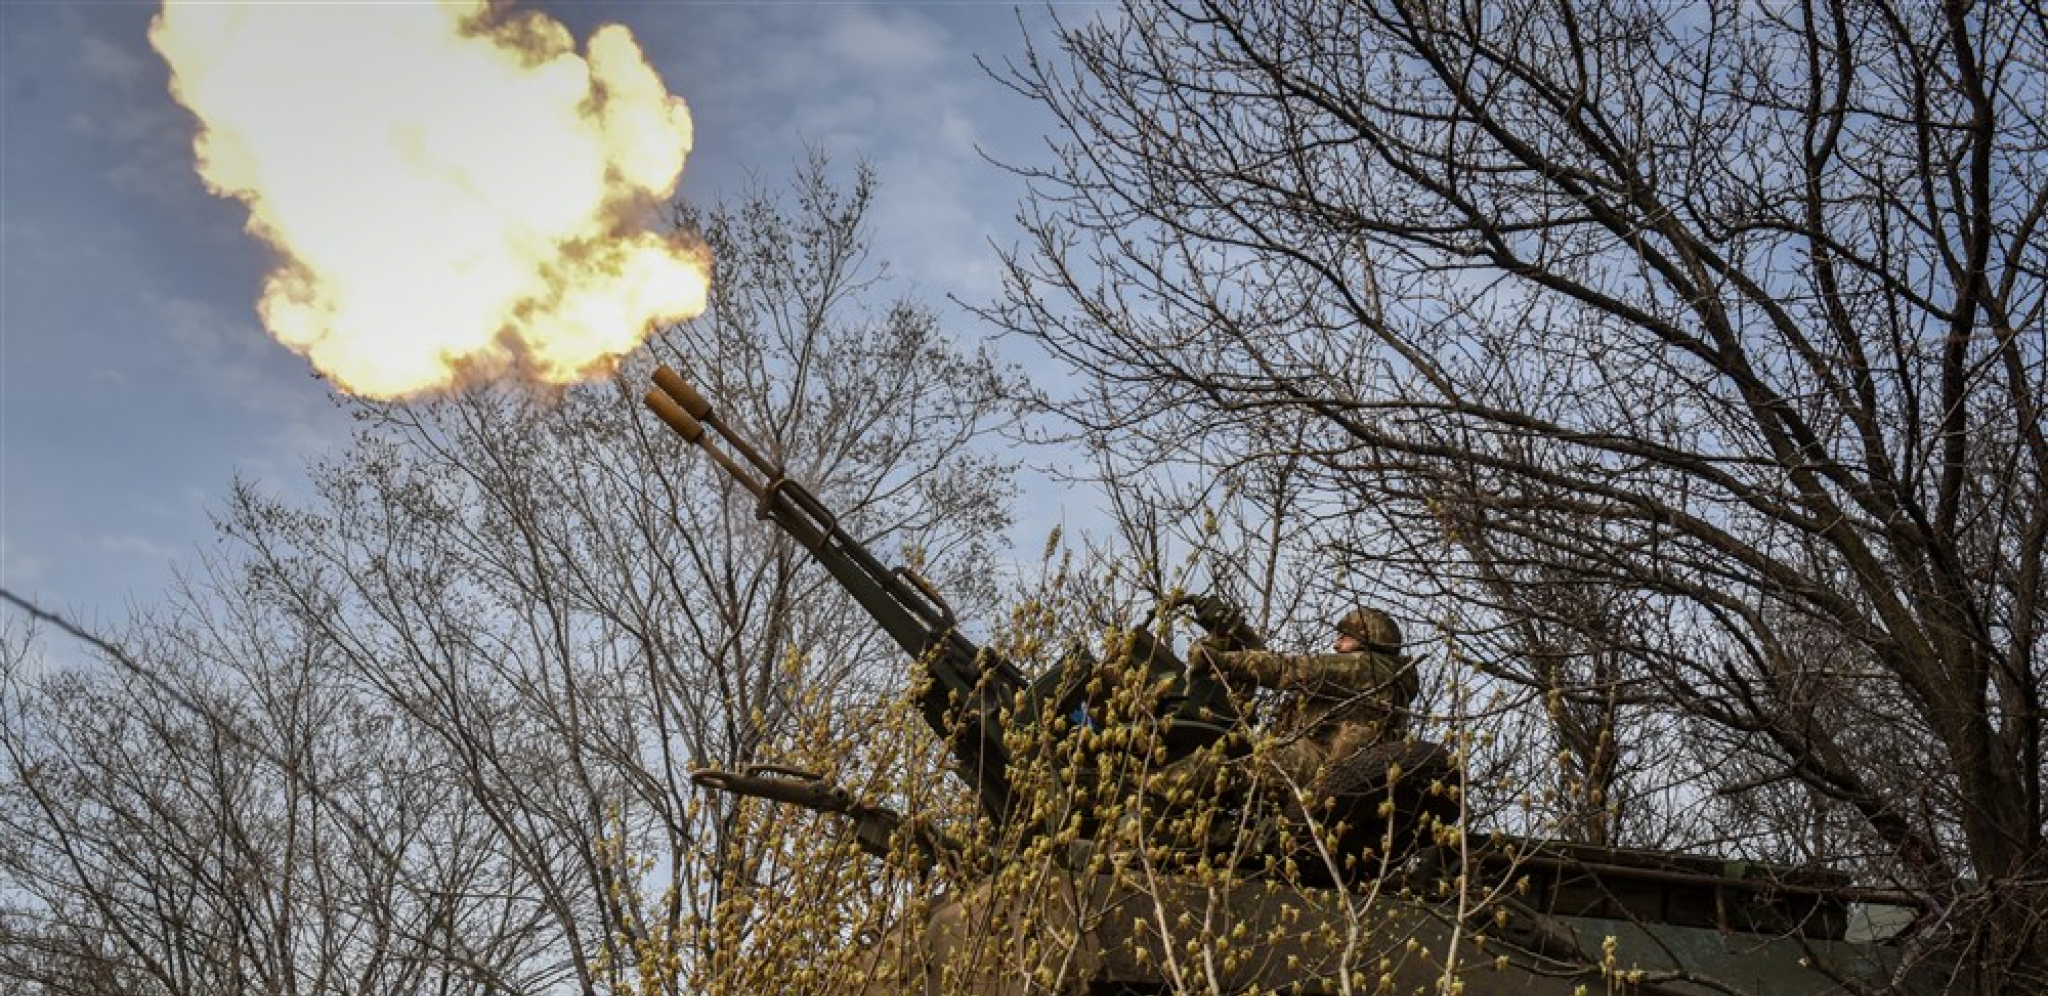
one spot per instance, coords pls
(1360, 696)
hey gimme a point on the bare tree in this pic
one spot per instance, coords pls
(1729, 316)
(226, 818)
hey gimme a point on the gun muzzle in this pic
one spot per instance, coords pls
(679, 404)
(681, 421)
(673, 384)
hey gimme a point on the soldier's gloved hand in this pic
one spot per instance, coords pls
(1209, 611)
(1222, 620)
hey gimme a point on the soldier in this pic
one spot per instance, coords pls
(1329, 708)
(1332, 705)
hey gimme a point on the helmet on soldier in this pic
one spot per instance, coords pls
(1374, 628)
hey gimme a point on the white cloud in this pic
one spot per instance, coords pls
(110, 377)
(894, 87)
(230, 356)
(846, 125)
(869, 40)
(933, 224)
(959, 133)
(18, 569)
(132, 546)
(105, 61)
(35, 246)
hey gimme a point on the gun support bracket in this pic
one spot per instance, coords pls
(785, 771)
(940, 615)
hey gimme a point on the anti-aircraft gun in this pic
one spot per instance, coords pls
(972, 694)
(1552, 918)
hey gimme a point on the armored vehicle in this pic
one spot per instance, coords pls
(1097, 884)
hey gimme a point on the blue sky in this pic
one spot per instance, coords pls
(135, 381)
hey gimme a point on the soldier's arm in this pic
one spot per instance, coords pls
(1333, 672)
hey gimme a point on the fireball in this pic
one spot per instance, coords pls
(453, 191)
